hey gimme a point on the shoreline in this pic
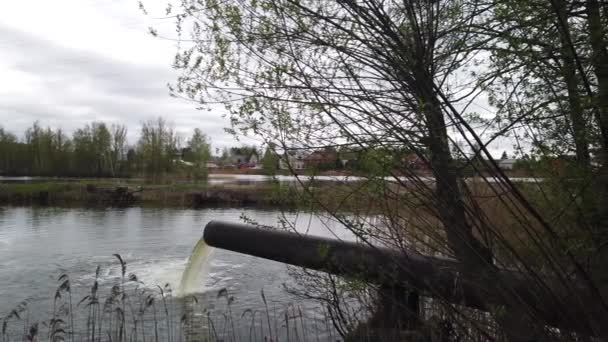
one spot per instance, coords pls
(260, 195)
(219, 190)
(104, 193)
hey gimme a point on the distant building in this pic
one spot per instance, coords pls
(253, 160)
(326, 158)
(212, 165)
(179, 154)
(245, 161)
(507, 164)
(293, 160)
(349, 158)
(238, 159)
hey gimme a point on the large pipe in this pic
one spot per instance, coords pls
(434, 277)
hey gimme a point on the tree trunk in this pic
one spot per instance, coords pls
(575, 109)
(599, 61)
(476, 258)
(449, 197)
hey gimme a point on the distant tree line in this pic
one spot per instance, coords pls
(102, 150)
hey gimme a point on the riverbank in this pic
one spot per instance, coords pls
(111, 194)
(325, 194)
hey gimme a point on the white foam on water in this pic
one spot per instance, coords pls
(184, 276)
(150, 272)
(158, 273)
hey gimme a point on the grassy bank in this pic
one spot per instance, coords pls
(112, 193)
(360, 197)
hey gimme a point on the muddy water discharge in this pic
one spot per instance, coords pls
(197, 269)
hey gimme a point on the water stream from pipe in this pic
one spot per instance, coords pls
(196, 269)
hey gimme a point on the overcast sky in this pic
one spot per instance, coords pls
(70, 62)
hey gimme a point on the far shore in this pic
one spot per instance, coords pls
(117, 193)
(236, 189)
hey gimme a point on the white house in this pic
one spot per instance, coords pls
(211, 165)
(295, 160)
(253, 160)
(507, 164)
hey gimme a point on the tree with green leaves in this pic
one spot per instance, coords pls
(157, 148)
(7, 142)
(225, 157)
(198, 152)
(93, 150)
(270, 160)
(47, 150)
(546, 84)
(403, 75)
(118, 149)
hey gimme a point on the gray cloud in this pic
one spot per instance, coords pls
(67, 87)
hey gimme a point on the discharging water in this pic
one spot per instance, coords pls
(37, 245)
(196, 269)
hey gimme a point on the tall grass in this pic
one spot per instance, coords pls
(130, 310)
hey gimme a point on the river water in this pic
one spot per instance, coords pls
(37, 245)
(220, 179)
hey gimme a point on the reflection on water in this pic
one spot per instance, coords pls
(243, 179)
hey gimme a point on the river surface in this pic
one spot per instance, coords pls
(37, 245)
(217, 179)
